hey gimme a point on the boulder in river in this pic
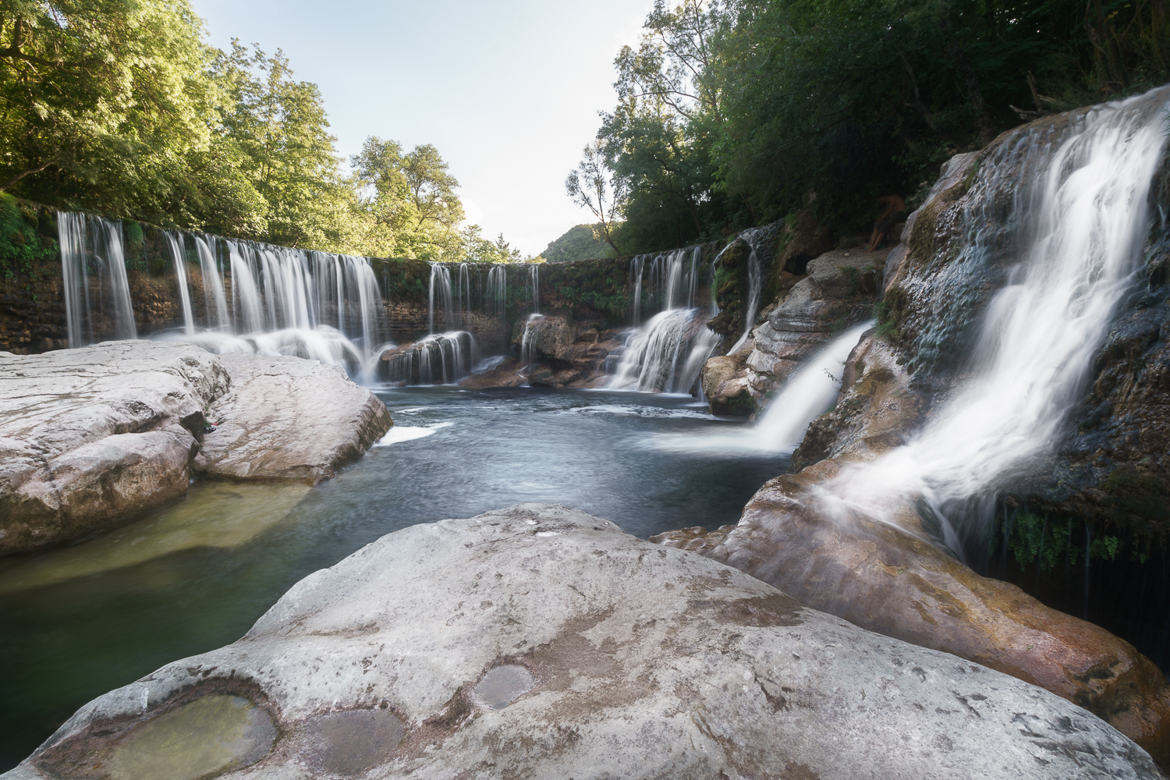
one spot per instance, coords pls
(91, 437)
(541, 641)
(288, 418)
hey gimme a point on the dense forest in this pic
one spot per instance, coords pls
(121, 107)
(731, 113)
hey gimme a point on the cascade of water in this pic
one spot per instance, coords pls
(74, 268)
(175, 244)
(1082, 217)
(806, 394)
(637, 266)
(439, 358)
(87, 240)
(534, 279)
(213, 293)
(440, 284)
(497, 290)
(666, 354)
(527, 353)
(245, 296)
(755, 285)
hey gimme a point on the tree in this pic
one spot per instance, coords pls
(593, 186)
(99, 101)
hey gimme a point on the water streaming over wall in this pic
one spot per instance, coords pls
(755, 284)
(666, 352)
(1080, 219)
(268, 299)
(438, 359)
(91, 247)
(175, 245)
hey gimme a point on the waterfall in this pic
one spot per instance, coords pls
(805, 395)
(1080, 218)
(283, 301)
(440, 285)
(439, 358)
(245, 295)
(526, 344)
(87, 241)
(213, 293)
(666, 354)
(175, 244)
(755, 285)
(637, 266)
(497, 290)
(534, 280)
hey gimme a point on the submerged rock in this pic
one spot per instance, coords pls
(541, 641)
(91, 437)
(287, 418)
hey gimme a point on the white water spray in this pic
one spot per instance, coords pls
(1084, 219)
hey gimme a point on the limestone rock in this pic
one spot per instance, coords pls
(91, 436)
(875, 411)
(891, 577)
(838, 291)
(540, 641)
(288, 418)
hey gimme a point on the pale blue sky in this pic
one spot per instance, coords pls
(508, 91)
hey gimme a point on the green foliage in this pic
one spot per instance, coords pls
(120, 107)
(22, 246)
(1037, 540)
(734, 113)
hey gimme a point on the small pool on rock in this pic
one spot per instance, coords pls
(74, 628)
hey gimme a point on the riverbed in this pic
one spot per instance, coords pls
(79, 621)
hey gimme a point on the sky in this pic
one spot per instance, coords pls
(508, 91)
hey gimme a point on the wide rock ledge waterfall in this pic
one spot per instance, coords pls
(909, 424)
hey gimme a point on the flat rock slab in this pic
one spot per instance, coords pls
(288, 418)
(540, 641)
(90, 437)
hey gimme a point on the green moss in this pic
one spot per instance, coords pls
(23, 245)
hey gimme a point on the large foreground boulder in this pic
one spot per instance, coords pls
(288, 418)
(91, 437)
(540, 641)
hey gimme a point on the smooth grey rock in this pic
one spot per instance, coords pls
(606, 656)
(91, 437)
(288, 418)
(88, 436)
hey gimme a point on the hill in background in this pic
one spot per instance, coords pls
(578, 243)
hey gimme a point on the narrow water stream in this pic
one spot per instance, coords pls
(79, 621)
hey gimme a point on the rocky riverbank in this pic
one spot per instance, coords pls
(91, 437)
(540, 640)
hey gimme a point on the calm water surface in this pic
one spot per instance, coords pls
(77, 622)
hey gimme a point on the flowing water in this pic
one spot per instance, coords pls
(666, 352)
(79, 621)
(1080, 214)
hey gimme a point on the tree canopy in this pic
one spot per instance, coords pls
(120, 107)
(734, 112)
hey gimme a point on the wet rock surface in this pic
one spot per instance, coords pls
(541, 641)
(91, 437)
(287, 418)
(838, 290)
